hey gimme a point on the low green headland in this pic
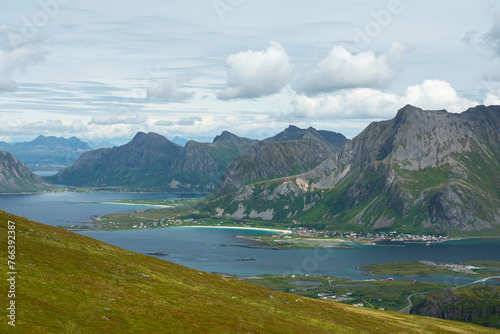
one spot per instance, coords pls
(472, 269)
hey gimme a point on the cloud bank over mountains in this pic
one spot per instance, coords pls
(101, 70)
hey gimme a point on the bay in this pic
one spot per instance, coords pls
(199, 248)
(75, 208)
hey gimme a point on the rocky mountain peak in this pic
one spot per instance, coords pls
(225, 136)
(15, 176)
(150, 139)
(59, 141)
(407, 110)
(422, 170)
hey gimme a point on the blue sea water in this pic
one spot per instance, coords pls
(74, 208)
(200, 248)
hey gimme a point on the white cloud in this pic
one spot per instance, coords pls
(492, 98)
(164, 123)
(341, 69)
(356, 103)
(436, 94)
(188, 120)
(371, 103)
(111, 119)
(254, 74)
(168, 89)
(17, 61)
(18, 127)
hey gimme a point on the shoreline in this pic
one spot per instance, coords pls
(242, 228)
(150, 205)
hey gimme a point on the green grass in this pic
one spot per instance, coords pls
(390, 295)
(68, 283)
(410, 268)
(414, 268)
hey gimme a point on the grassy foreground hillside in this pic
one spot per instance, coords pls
(67, 283)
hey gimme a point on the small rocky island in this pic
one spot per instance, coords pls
(158, 254)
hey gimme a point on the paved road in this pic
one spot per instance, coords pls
(368, 303)
(482, 280)
(410, 304)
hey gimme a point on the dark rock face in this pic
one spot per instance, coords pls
(142, 163)
(294, 133)
(300, 151)
(17, 177)
(479, 305)
(423, 171)
(201, 165)
(152, 162)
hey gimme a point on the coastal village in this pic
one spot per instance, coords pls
(385, 238)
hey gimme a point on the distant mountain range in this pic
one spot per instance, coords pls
(47, 151)
(179, 141)
(421, 171)
(151, 162)
(16, 177)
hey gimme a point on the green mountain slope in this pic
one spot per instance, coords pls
(16, 177)
(201, 165)
(68, 283)
(143, 163)
(153, 163)
(422, 171)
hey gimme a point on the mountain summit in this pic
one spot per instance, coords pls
(424, 170)
(152, 162)
(47, 150)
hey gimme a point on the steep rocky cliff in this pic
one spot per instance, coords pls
(201, 165)
(421, 171)
(141, 164)
(16, 177)
(291, 152)
(479, 305)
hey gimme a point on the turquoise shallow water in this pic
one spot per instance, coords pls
(200, 248)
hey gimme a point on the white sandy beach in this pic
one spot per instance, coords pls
(245, 228)
(152, 205)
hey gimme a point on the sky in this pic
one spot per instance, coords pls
(104, 70)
